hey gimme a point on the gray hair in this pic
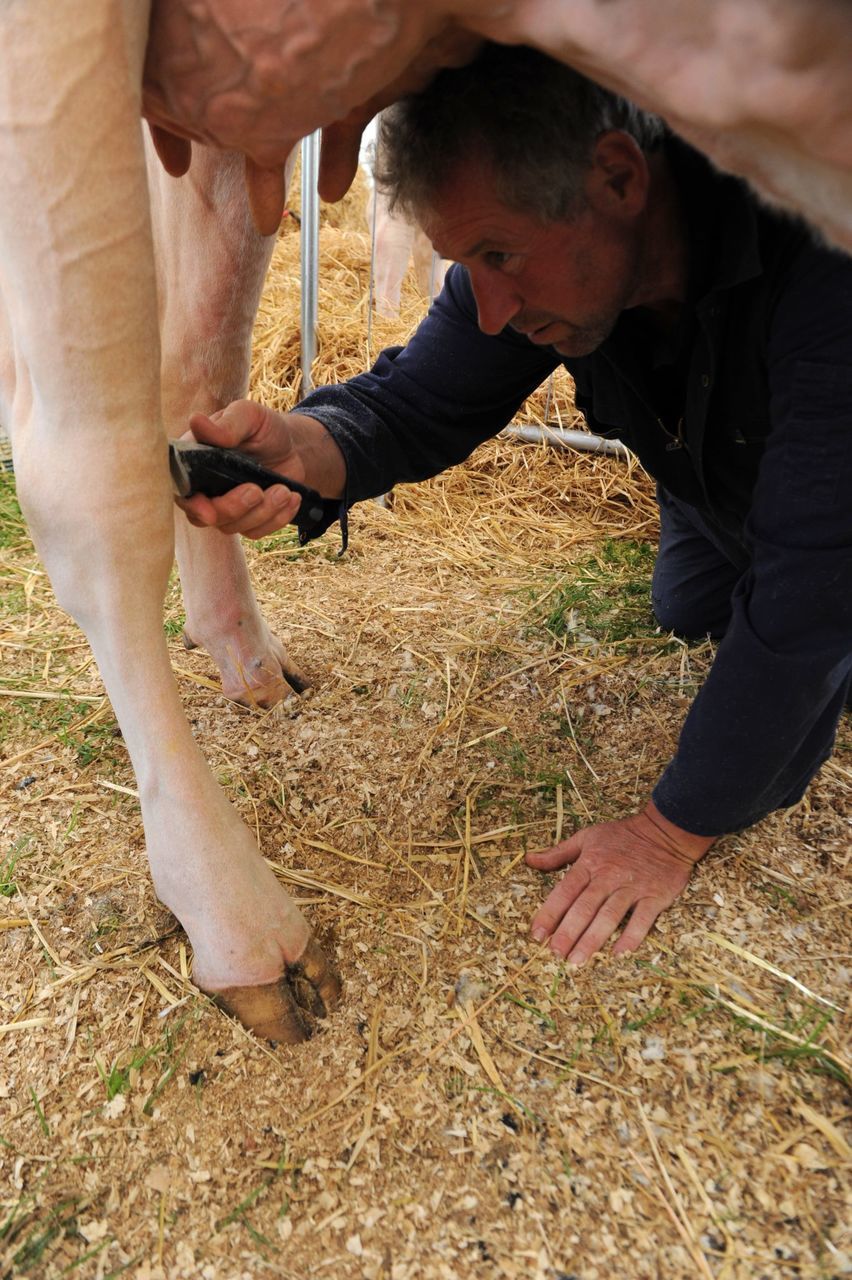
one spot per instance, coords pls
(534, 121)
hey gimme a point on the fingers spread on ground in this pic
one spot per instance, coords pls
(601, 927)
(576, 921)
(638, 926)
(557, 903)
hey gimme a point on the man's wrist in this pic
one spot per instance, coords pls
(318, 452)
(683, 844)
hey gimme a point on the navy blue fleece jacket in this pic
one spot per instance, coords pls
(746, 415)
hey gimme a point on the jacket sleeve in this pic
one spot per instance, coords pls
(426, 406)
(767, 715)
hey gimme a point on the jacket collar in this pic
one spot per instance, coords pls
(722, 223)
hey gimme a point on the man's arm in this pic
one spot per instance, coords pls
(426, 406)
(420, 409)
(766, 716)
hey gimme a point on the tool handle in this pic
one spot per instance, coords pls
(203, 468)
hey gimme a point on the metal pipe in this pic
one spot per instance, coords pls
(563, 439)
(309, 247)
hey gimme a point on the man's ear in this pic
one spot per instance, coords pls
(619, 177)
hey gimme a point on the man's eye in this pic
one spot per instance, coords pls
(500, 261)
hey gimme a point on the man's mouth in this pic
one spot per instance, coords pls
(546, 334)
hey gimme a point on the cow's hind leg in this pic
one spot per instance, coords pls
(211, 265)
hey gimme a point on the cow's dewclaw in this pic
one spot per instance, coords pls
(286, 1010)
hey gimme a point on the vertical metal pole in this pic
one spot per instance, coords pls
(309, 245)
(381, 499)
(433, 275)
(549, 401)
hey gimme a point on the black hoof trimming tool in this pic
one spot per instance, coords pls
(203, 468)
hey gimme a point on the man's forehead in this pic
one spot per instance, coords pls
(469, 218)
(468, 239)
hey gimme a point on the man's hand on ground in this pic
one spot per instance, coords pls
(638, 865)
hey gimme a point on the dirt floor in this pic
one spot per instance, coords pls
(485, 675)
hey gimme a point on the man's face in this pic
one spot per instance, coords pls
(562, 284)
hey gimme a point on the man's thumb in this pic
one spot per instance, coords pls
(215, 430)
(557, 855)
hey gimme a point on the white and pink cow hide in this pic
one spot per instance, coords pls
(82, 332)
(762, 86)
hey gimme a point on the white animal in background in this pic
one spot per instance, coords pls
(396, 243)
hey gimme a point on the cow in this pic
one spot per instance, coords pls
(80, 390)
(395, 242)
(761, 86)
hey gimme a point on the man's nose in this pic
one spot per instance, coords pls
(496, 302)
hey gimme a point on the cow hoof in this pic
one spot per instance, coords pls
(286, 1009)
(267, 692)
(295, 679)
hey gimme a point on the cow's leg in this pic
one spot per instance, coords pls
(211, 265)
(428, 267)
(106, 541)
(391, 253)
(79, 304)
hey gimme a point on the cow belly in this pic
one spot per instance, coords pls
(761, 85)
